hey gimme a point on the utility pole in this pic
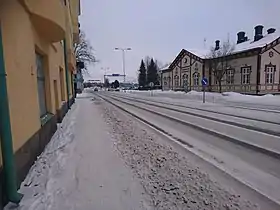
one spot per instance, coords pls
(123, 59)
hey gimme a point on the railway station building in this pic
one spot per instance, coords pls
(253, 66)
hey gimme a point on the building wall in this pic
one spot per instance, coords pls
(19, 55)
(21, 42)
(237, 86)
(166, 80)
(270, 57)
(187, 67)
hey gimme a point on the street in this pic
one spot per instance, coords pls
(115, 151)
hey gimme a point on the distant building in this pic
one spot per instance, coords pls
(254, 66)
(160, 72)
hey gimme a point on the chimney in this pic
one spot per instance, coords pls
(258, 33)
(271, 30)
(217, 47)
(241, 37)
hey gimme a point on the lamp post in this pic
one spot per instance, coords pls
(123, 58)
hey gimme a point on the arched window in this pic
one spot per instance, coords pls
(196, 79)
(185, 80)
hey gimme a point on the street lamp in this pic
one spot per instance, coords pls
(123, 58)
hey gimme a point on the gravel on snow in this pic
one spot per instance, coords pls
(169, 179)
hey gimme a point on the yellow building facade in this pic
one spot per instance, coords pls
(38, 38)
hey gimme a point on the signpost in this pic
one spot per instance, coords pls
(204, 83)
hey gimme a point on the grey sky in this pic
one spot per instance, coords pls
(161, 28)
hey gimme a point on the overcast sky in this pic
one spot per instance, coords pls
(161, 28)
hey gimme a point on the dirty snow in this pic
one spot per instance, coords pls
(171, 181)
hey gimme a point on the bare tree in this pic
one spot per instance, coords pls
(84, 52)
(218, 61)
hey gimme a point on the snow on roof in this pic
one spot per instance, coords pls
(248, 45)
(166, 66)
(202, 53)
(244, 46)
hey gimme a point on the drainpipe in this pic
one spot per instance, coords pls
(258, 73)
(6, 136)
(66, 72)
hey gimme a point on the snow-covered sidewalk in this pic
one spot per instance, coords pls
(80, 169)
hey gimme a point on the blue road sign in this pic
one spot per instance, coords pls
(204, 81)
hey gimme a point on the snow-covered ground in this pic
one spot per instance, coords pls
(79, 169)
(271, 101)
(101, 159)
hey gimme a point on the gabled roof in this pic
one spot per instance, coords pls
(244, 46)
(184, 52)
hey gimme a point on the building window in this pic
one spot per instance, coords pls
(196, 79)
(176, 78)
(269, 74)
(245, 75)
(230, 76)
(41, 84)
(185, 80)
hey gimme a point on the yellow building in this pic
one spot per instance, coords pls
(37, 63)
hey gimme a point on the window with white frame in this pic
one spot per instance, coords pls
(270, 74)
(196, 79)
(41, 85)
(230, 76)
(245, 75)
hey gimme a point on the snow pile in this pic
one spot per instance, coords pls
(39, 187)
(268, 99)
(213, 97)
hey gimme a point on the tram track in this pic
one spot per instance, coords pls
(266, 184)
(264, 126)
(255, 139)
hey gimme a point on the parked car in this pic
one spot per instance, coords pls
(95, 89)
